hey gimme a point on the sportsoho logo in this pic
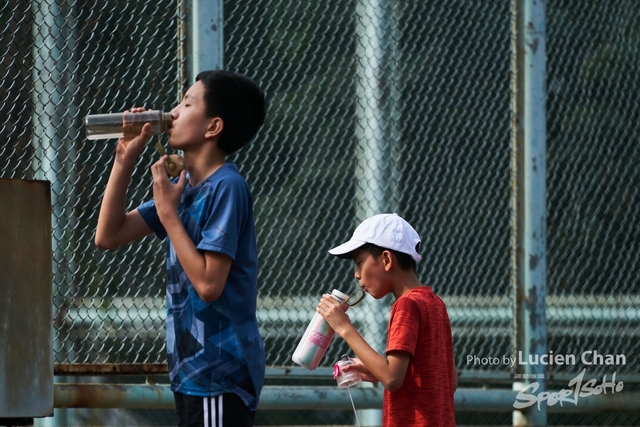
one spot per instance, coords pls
(577, 387)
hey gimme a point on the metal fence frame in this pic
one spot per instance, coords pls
(529, 301)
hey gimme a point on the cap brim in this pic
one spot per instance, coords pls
(345, 249)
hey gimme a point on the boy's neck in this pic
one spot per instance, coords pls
(404, 282)
(203, 162)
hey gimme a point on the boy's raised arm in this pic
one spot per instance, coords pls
(116, 227)
(208, 271)
(390, 370)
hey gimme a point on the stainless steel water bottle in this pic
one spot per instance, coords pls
(118, 125)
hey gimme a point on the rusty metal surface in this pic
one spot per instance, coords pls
(26, 330)
(111, 369)
(113, 396)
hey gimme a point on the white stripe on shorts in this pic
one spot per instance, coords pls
(205, 402)
(212, 411)
(220, 411)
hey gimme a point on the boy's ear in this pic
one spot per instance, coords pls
(214, 128)
(387, 260)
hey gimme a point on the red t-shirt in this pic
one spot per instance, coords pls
(419, 324)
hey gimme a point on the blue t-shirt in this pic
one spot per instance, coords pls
(214, 348)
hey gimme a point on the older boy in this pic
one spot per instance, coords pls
(418, 372)
(215, 352)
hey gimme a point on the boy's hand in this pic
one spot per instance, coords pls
(130, 147)
(357, 365)
(334, 312)
(166, 195)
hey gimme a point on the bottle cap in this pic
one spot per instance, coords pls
(341, 296)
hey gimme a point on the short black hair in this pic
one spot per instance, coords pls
(405, 261)
(238, 101)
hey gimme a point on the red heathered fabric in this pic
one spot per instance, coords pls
(419, 324)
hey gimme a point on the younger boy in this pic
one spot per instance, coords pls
(215, 352)
(418, 372)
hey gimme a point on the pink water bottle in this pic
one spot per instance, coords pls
(317, 337)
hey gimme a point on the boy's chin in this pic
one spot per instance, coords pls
(376, 295)
(172, 144)
(379, 295)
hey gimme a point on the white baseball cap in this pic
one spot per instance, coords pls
(387, 231)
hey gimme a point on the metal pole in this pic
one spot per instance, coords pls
(53, 117)
(377, 122)
(372, 152)
(529, 201)
(320, 398)
(205, 36)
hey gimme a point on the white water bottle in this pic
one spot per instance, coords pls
(317, 337)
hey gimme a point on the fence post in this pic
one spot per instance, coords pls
(377, 132)
(529, 202)
(54, 85)
(205, 37)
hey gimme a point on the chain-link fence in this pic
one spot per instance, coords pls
(594, 190)
(374, 106)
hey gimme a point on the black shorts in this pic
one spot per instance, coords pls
(225, 410)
